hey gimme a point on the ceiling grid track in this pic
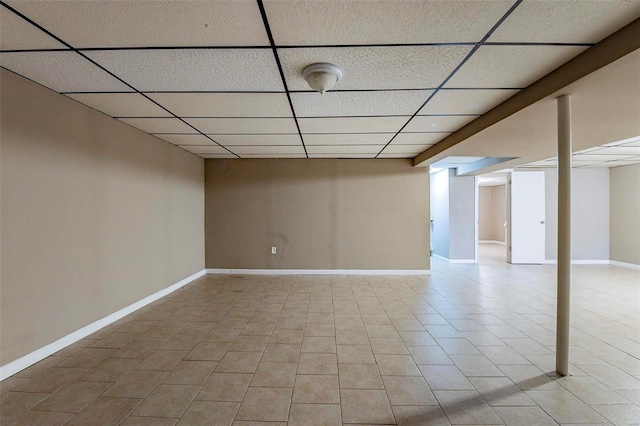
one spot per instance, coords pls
(469, 55)
(267, 28)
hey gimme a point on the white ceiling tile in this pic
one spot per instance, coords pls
(61, 71)
(511, 66)
(342, 155)
(447, 123)
(347, 139)
(465, 101)
(274, 156)
(205, 149)
(567, 21)
(235, 140)
(195, 139)
(381, 22)
(224, 104)
(193, 69)
(159, 125)
(352, 124)
(267, 149)
(358, 103)
(619, 150)
(217, 156)
(401, 67)
(385, 154)
(595, 157)
(121, 104)
(405, 149)
(344, 149)
(418, 138)
(18, 34)
(244, 125)
(149, 23)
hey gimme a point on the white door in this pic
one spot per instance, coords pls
(527, 217)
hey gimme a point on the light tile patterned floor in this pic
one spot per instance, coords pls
(468, 345)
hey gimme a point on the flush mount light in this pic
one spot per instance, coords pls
(322, 76)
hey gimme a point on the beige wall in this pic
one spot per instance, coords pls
(492, 212)
(499, 212)
(320, 214)
(96, 215)
(486, 214)
(624, 225)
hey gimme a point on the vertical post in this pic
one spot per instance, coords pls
(563, 322)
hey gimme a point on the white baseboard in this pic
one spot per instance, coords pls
(319, 271)
(580, 262)
(20, 364)
(502, 243)
(624, 264)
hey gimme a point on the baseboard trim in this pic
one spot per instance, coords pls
(624, 264)
(319, 271)
(20, 364)
(502, 243)
(580, 262)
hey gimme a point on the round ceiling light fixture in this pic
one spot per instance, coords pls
(322, 76)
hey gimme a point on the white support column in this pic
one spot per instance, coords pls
(563, 323)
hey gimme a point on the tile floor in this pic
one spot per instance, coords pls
(468, 345)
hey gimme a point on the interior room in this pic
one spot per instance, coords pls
(270, 212)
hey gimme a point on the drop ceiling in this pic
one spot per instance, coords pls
(222, 79)
(615, 154)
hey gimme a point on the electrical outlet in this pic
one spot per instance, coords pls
(273, 250)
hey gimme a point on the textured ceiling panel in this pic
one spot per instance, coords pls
(405, 67)
(465, 101)
(358, 103)
(619, 150)
(235, 140)
(225, 104)
(268, 149)
(18, 34)
(244, 125)
(61, 71)
(274, 156)
(385, 154)
(159, 125)
(405, 149)
(347, 139)
(121, 104)
(595, 157)
(149, 23)
(205, 149)
(511, 66)
(227, 155)
(185, 139)
(345, 149)
(418, 138)
(449, 123)
(193, 69)
(341, 155)
(567, 21)
(378, 22)
(352, 125)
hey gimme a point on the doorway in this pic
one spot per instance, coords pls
(492, 218)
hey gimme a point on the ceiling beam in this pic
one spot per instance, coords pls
(608, 50)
